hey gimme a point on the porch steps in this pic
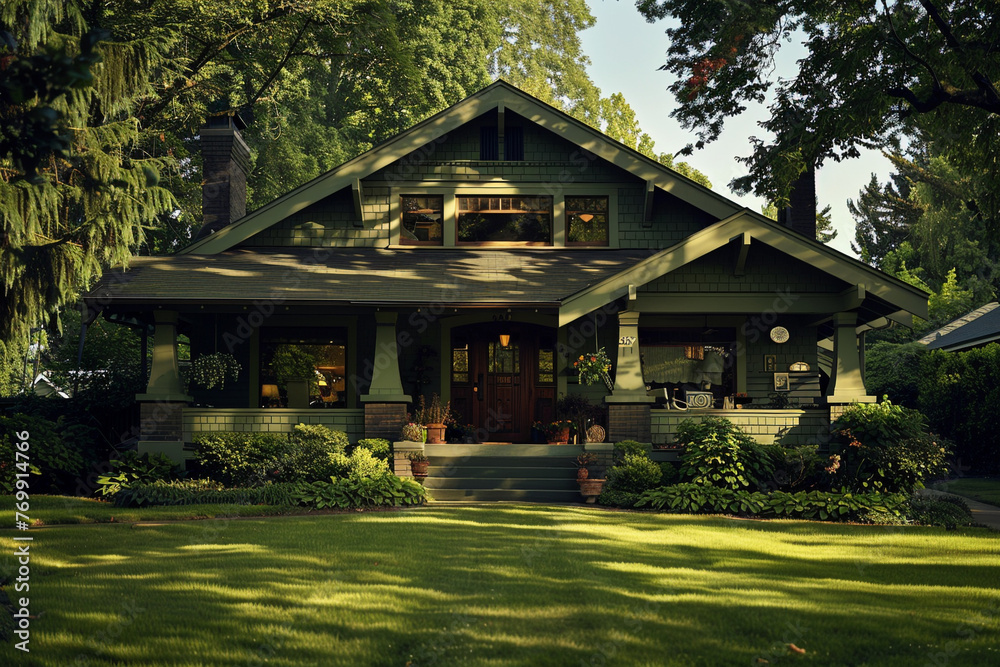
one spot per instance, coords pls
(530, 473)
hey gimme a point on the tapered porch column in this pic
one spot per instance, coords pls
(846, 382)
(385, 402)
(161, 428)
(628, 404)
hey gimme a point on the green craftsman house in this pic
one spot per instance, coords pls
(477, 255)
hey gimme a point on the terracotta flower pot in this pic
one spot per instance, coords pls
(419, 468)
(559, 437)
(435, 434)
(590, 489)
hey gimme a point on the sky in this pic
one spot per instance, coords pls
(625, 53)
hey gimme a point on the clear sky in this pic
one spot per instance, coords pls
(625, 52)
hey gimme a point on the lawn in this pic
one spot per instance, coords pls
(983, 489)
(510, 585)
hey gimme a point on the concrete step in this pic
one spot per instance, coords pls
(523, 495)
(498, 472)
(527, 484)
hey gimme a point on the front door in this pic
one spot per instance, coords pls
(503, 378)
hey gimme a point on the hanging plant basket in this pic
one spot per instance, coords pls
(593, 368)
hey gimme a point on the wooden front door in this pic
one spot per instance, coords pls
(503, 389)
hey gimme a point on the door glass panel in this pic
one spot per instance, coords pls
(460, 363)
(505, 359)
(546, 366)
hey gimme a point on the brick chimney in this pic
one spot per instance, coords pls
(226, 161)
(800, 214)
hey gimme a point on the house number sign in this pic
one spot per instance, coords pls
(627, 341)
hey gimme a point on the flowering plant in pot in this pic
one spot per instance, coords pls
(582, 461)
(556, 432)
(413, 432)
(418, 463)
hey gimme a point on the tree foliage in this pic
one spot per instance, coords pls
(824, 221)
(871, 73)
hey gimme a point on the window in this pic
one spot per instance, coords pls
(489, 143)
(513, 144)
(689, 359)
(314, 355)
(587, 221)
(422, 216)
(460, 363)
(512, 219)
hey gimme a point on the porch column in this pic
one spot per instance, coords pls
(385, 402)
(628, 404)
(161, 428)
(846, 382)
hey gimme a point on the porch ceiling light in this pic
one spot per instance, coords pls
(504, 340)
(269, 391)
(586, 217)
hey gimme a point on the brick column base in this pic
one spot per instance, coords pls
(161, 421)
(628, 421)
(384, 420)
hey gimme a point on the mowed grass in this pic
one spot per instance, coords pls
(983, 489)
(510, 585)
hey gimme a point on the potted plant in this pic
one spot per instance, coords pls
(556, 432)
(413, 432)
(593, 368)
(212, 370)
(294, 367)
(741, 399)
(435, 417)
(590, 489)
(582, 461)
(418, 464)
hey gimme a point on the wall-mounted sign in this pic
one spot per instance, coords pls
(627, 341)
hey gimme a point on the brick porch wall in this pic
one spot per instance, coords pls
(628, 422)
(789, 427)
(384, 420)
(161, 421)
(256, 420)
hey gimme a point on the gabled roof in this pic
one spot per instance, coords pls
(979, 327)
(871, 283)
(440, 124)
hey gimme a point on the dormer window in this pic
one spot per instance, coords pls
(423, 217)
(522, 219)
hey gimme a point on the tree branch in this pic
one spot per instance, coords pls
(277, 70)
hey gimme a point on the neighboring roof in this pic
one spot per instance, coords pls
(360, 276)
(440, 124)
(891, 293)
(979, 327)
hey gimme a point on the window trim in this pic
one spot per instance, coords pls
(590, 244)
(417, 242)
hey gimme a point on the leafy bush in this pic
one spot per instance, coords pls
(317, 437)
(377, 446)
(700, 498)
(635, 474)
(947, 511)
(717, 453)
(789, 468)
(615, 498)
(361, 463)
(242, 459)
(894, 369)
(959, 392)
(52, 451)
(202, 491)
(130, 468)
(886, 447)
(626, 447)
(668, 474)
(361, 492)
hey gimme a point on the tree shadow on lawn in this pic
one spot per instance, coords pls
(518, 586)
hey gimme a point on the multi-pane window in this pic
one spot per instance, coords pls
(587, 220)
(523, 219)
(422, 219)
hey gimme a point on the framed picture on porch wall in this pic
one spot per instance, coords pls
(770, 363)
(781, 381)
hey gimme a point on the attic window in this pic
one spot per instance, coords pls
(587, 219)
(488, 143)
(422, 215)
(513, 144)
(525, 220)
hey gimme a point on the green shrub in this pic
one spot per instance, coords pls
(130, 468)
(242, 459)
(635, 474)
(700, 498)
(53, 452)
(361, 463)
(717, 453)
(202, 491)
(379, 447)
(316, 437)
(615, 498)
(885, 447)
(947, 511)
(789, 468)
(668, 474)
(629, 447)
(894, 369)
(353, 491)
